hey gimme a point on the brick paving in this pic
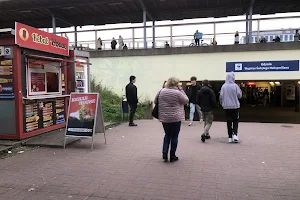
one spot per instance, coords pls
(264, 166)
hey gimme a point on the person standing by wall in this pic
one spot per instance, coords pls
(192, 91)
(171, 100)
(132, 99)
(206, 99)
(229, 99)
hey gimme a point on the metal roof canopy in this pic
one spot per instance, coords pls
(38, 13)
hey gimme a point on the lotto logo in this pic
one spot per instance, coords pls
(238, 67)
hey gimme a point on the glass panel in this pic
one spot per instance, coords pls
(52, 82)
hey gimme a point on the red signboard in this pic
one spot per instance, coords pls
(82, 114)
(33, 38)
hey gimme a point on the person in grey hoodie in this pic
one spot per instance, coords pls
(229, 99)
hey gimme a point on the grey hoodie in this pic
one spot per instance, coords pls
(230, 93)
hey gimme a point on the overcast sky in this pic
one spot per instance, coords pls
(229, 27)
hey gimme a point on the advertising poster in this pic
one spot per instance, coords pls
(60, 111)
(38, 82)
(6, 78)
(82, 114)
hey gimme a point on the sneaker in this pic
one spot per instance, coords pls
(201, 120)
(230, 140)
(203, 137)
(191, 123)
(235, 138)
(132, 124)
(207, 136)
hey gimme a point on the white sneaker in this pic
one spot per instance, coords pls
(201, 120)
(230, 140)
(191, 123)
(235, 138)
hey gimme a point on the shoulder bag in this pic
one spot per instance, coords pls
(155, 109)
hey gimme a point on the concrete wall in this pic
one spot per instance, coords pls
(151, 71)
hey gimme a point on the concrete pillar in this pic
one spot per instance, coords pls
(54, 24)
(215, 30)
(250, 23)
(133, 39)
(171, 36)
(247, 28)
(153, 34)
(75, 36)
(258, 30)
(96, 40)
(145, 29)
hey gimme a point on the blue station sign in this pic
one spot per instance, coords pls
(263, 66)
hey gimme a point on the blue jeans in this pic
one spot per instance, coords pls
(194, 107)
(171, 136)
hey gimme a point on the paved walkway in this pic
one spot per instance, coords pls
(264, 166)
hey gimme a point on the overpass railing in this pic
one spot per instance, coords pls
(177, 35)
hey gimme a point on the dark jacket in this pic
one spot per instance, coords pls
(206, 99)
(131, 94)
(189, 93)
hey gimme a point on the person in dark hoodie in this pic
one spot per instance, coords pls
(229, 99)
(206, 99)
(132, 99)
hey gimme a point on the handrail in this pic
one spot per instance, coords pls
(186, 24)
(221, 37)
(190, 35)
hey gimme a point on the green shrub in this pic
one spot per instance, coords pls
(111, 104)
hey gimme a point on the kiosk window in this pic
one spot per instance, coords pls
(43, 78)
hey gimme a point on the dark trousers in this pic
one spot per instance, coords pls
(132, 112)
(171, 136)
(197, 41)
(232, 116)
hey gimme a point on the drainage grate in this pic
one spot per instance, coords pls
(287, 126)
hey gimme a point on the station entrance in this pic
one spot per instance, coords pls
(262, 101)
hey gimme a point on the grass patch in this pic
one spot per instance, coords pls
(111, 104)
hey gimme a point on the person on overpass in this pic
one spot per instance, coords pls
(229, 99)
(99, 44)
(167, 45)
(171, 101)
(297, 36)
(198, 37)
(121, 42)
(192, 91)
(237, 38)
(113, 44)
(206, 100)
(125, 47)
(132, 99)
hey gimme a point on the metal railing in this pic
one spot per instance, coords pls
(209, 30)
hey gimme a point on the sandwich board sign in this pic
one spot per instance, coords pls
(84, 113)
